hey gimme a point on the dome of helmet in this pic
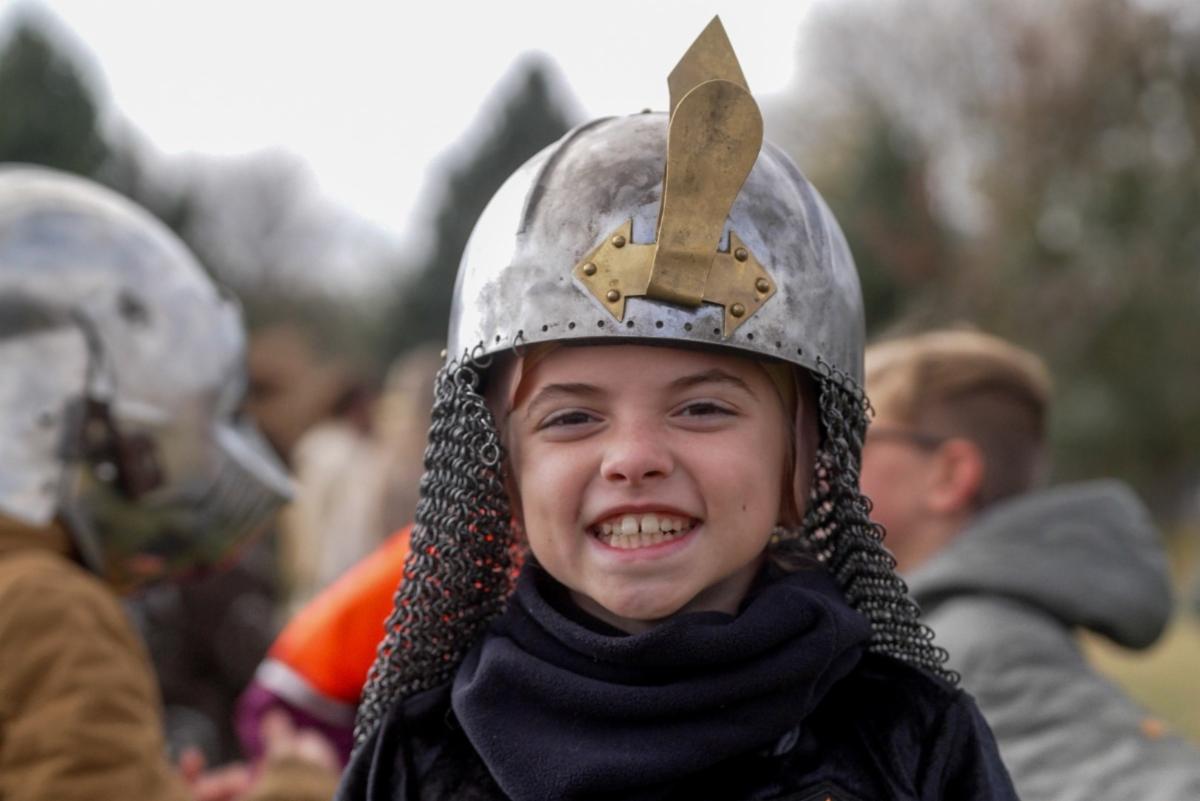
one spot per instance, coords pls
(517, 283)
(169, 335)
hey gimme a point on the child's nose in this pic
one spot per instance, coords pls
(635, 455)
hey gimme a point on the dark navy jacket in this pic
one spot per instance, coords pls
(887, 731)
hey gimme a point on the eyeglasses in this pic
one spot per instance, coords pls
(918, 439)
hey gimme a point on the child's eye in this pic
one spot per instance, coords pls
(703, 409)
(566, 419)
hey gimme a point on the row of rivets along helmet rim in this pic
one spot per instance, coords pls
(630, 323)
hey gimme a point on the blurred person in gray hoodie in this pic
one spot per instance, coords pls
(1006, 572)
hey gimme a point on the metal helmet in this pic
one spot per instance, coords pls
(678, 228)
(121, 373)
(579, 244)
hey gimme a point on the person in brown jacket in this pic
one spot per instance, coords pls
(122, 460)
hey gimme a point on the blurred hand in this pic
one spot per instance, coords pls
(222, 784)
(283, 740)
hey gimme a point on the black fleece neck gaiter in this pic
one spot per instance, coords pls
(559, 709)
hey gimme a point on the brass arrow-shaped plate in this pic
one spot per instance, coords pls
(738, 283)
(616, 269)
(613, 272)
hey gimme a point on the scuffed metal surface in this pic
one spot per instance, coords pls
(515, 282)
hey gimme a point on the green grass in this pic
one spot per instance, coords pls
(1166, 677)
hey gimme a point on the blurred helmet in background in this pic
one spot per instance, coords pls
(122, 370)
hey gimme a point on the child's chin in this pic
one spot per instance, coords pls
(643, 613)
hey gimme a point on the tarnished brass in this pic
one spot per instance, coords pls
(712, 142)
(736, 282)
(625, 269)
(710, 57)
(713, 139)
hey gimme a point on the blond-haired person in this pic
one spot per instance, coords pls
(1007, 571)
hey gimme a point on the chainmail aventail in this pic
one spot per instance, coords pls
(459, 572)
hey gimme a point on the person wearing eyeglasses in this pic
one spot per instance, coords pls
(1007, 570)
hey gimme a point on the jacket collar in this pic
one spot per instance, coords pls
(16, 536)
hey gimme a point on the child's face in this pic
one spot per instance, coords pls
(649, 479)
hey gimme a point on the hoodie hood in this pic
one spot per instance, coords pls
(1086, 554)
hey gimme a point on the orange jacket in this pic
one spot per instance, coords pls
(318, 665)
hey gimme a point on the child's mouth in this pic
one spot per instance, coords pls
(630, 531)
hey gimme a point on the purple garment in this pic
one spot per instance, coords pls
(258, 700)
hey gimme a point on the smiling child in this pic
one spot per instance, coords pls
(642, 567)
(649, 497)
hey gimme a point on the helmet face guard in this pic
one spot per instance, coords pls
(123, 370)
(196, 522)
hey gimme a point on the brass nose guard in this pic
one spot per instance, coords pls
(713, 139)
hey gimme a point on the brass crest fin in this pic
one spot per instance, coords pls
(714, 136)
(710, 57)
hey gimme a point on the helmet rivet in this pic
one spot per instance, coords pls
(762, 285)
(741, 254)
(589, 268)
(618, 241)
(613, 296)
(737, 310)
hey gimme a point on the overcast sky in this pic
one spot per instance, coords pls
(368, 94)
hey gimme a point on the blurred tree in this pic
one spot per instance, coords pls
(526, 118)
(51, 115)
(256, 223)
(881, 197)
(132, 169)
(247, 220)
(47, 112)
(264, 231)
(1030, 168)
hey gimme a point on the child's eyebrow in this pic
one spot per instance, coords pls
(714, 375)
(553, 391)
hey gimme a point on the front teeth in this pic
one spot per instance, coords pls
(640, 531)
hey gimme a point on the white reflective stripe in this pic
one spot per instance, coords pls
(293, 688)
